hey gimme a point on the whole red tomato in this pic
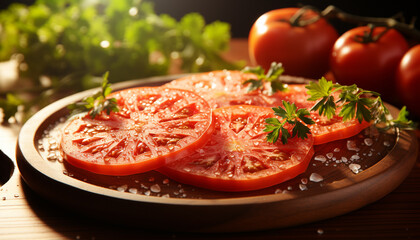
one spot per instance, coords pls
(368, 57)
(303, 46)
(408, 80)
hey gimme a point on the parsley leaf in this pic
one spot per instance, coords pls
(97, 103)
(272, 76)
(322, 91)
(292, 116)
(355, 103)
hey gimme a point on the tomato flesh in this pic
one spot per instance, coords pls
(237, 157)
(154, 126)
(226, 88)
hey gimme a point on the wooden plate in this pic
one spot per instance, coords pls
(150, 200)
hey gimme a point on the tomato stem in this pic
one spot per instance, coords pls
(368, 36)
(296, 19)
(409, 30)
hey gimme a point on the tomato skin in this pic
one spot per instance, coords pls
(154, 126)
(303, 51)
(408, 80)
(238, 158)
(371, 65)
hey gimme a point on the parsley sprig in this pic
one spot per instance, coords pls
(291, 115)
(97, 103)
(272, 76)
(355, 103)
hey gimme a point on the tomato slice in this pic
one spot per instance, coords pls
(324, 130)
(154, 126)
(225, 88)
(237, 157)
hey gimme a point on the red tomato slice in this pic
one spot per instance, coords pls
(225, 88)
(238, 158)
(327, 130)
(153, 127)
(324, 130)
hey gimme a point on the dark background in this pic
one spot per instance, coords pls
(242, 13)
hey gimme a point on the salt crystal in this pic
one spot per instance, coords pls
(133, 190)
(387, 144)
(122, 188)
(304, 181)
(320, 231)
(368, 141)
(278, 190)
(354, 157)
(344, 159)
(336, 149)
(315, 177)
(155, 188)
(329, 155)
(351, 145)
(320, 158)
(303, 187)
(355, 168)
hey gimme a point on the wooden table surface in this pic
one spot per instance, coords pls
(25, 215)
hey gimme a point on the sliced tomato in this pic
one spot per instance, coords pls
(327, 130)
(224, 88)
(154, 126)
(237, 157)
(324, 130)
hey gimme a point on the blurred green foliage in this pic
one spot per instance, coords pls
(73, 43)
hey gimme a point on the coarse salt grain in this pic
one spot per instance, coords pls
(320, 158)
(355, 168)
(315, 177)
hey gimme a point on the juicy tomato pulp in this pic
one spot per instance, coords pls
(154, 126)
(226, 88)
(237, 157)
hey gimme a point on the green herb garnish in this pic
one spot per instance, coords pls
(291, 115)
(355, 103)
(97, 103)
(272, 76)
